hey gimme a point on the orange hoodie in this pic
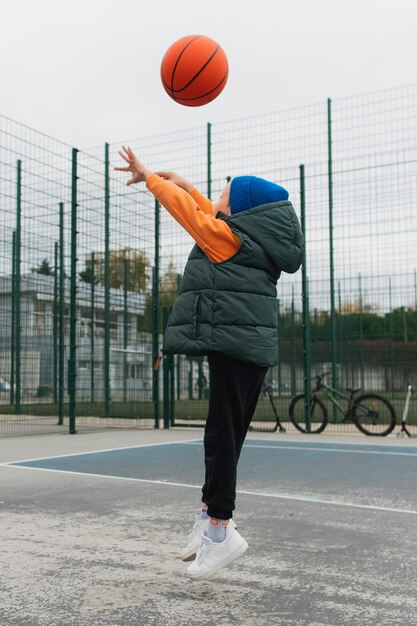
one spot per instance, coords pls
(195, 213)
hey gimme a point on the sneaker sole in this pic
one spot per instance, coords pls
(191, 553)
(230, 559)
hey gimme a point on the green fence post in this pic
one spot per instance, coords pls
(200, 377)
(125, 323)
(13, 321)
(155, 353)
(415, 299)
(155, 316)
(279, 372)
(361, 333)
(415, 296)
(314, 335)
(405, 328)
(55, 325)
(293, 348)
(18, 242)
(306, 310)
(61, 319)
(391, 333)
(166, 376)
(331, 250)
(172, 390)
(178, 376)
(92, 327)
(178, 358)
(72, 364)
(342, 356)
(386, 374)
(106, 355)
(190, 378)
(165, 402)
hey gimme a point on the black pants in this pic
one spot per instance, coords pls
(234, 391)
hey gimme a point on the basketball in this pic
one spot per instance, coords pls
(194, 70)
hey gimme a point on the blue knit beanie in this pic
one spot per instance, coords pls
(247, 192)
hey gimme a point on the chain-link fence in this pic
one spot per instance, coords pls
(90, 267)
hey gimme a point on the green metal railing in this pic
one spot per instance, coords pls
(90, 267)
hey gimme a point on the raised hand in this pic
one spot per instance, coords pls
(139, 171)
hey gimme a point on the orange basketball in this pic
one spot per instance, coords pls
(194, 70)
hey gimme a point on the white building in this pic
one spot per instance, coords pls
(130, 356)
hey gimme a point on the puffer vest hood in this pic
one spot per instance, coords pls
(231, 306)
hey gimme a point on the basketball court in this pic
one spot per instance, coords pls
(92, 526)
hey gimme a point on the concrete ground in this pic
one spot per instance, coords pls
(93, 539)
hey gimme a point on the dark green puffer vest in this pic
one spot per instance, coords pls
(231, 307)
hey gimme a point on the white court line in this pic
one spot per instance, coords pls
(281, 496)
(320, 449)
(299, 447)
(63, 456)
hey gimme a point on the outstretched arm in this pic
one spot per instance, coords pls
(213, 236)
(141, 174)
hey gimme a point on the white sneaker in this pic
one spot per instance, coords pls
(211, 557)
(195, 536)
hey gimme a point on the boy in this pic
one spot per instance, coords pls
(226, 309)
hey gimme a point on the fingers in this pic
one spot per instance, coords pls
(133, 165)
(124, 156)
(130, 155)
(127, 154)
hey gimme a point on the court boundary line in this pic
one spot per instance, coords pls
(281, 496)
(320, 449)
(299, 446)
(63, 456)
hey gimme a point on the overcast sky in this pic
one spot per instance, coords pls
(87, 71)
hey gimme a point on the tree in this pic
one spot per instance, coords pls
(127, 268)
(168, 288)
(44, 268)
(169, 284)
(401, 324)
(87, 275)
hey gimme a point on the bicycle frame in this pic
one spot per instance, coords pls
(332, 394)
(371, 413)
(278, 426)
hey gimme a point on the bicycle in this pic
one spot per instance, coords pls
(370, 413)
(267, 389)
(404, 430)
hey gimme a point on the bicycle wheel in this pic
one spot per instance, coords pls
(318, 415)
(373, 415)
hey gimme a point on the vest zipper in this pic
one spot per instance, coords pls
(197, 313)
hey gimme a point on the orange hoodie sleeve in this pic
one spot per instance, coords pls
(204, 203)
(213, 236)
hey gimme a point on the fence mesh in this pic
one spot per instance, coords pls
(90, 267)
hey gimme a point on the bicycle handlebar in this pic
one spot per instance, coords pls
(322, 375)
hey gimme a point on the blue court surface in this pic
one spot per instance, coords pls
(352, 475)
(331, 526)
